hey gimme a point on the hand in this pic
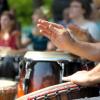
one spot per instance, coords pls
(81, 78)
(56, 33)
(80, 34)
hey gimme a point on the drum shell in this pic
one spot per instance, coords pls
(8, 93)
(43, 74)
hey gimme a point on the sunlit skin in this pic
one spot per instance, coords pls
(63, 39)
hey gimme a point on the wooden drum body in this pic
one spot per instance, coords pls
(8, 90)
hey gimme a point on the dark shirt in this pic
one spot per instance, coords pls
(40, 42)
(57, 8)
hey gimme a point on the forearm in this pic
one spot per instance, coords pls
(94, 75)
(86, 50)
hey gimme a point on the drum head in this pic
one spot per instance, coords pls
(48, 56)
(6, 83)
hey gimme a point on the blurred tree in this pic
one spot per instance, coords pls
(37, 3)
(24, 9)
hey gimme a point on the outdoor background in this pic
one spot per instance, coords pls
(25, 8)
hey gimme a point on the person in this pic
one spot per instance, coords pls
(38, 41)
(80, 12)
(66, 20)
(63, 38)
(9, 46)
(96, 13)
(9, 34)
(57, 9)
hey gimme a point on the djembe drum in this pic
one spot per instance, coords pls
(8, 90)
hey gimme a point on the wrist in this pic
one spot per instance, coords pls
(92, 77)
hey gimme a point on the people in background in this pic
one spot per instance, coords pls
(10, 46)
(57, 9)
(80, 11)
(38, 40)
(66, 20)
(96, 13)
(9, 35)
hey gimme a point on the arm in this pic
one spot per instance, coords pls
(85, 78)
(19, 43)
(95, 74)
(64, 39)
(86, 50)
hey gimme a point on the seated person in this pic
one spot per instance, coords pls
(9, 45)
(38, 41)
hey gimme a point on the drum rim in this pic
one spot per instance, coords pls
(52, 90)
(14, 83)
(47, 56)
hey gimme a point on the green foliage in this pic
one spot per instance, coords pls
(48, 3)
(23, 9)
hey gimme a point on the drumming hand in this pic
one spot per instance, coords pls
(56, 33)
(47, 24)
(80, 34)
(81, 78)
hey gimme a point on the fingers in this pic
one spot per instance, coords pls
(43, 22)
(76, 29)
(44, 30)
(57, 25)
(46, 23)
(67, 78)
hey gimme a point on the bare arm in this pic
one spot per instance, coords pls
(86, 50)
(85, 78)
(64, 40)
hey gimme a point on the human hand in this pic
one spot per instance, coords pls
(81, 78)
(56, 33)
(80, 34)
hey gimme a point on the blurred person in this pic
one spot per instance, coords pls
(80, 11)
(18, 25)
(9, 35)
(9, 45)
(38, 41)
(57, 9)
(96, 13)
(63, 39)
(66, 20)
